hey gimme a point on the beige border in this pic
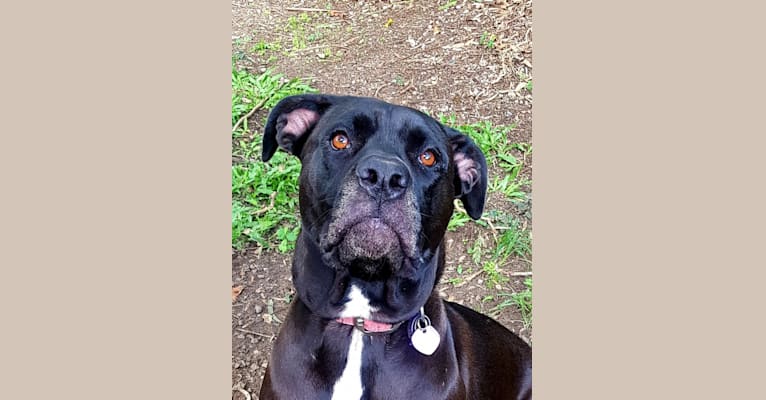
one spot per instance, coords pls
(115, 214)
(115, 217)
(648, 200)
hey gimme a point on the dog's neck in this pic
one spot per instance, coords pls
(321, 287)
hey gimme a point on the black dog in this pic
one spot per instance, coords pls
(376, 193)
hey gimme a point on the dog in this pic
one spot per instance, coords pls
(377, 189)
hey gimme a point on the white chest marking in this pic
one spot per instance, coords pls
(349, 385)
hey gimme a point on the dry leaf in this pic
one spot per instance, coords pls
(235, 291)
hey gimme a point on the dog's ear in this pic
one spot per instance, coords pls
(291, 121)
(470, 172)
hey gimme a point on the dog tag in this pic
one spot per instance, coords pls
(425, 339)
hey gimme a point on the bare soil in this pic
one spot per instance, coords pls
(406, 52)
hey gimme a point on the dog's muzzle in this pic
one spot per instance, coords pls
(375, 221)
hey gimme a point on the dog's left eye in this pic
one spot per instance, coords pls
(427, 158)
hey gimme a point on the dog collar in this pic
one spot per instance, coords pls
(369, 326)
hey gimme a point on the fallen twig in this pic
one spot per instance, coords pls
(245, 392)
(320, 46)
(419, 52)
(257, 107)
(255, 333)
(492, 227)
(407, 89)
(470, 278)
(523, 273)
(378, 91)
(272, 197)
(309, 9)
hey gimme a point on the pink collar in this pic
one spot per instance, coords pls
(368, 325)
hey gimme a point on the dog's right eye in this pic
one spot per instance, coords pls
(339, 141)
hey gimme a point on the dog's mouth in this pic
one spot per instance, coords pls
(368, 237)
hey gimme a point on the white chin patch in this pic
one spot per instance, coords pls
(357, 306)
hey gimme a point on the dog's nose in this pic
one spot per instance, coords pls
(383, 177)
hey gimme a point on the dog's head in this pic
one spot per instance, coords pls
(377, 186)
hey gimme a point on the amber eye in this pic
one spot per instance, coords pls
(339, 141)
(427, 158)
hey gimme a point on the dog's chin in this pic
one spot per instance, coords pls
(369, 239)
(368, 248)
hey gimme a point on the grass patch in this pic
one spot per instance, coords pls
(492, 251)
(296, 25)
(264, 203)
(264, 195)
(493, 274)
(262, 47)
(514, 241)
(522, 300)
(459, 218)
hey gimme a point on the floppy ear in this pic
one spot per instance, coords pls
(291, 121)
(470, 172)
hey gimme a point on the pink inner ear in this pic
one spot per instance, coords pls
(466, 169)
(299, 121)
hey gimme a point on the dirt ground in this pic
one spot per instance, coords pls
(468, 58)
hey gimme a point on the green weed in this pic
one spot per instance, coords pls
(262, 47)
(296, 25)
(454, 281)
(522, 300)
(476, 251)
(458, 219)
(514, 241)
(242, 41)
(509, 240)
(493, 274)
(487, 40)
(449, 4)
